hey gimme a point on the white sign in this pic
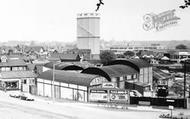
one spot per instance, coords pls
(171, 107)
(108, 85)
(119, 95)
(98, 95)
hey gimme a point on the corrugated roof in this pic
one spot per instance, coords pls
(111, 71)
(160, 75)
(33, 48)
(17, 74)
(135, 63)
(118, 70)
(68, 77)
(64, 65)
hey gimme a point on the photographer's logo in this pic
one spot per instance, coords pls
(160, 21)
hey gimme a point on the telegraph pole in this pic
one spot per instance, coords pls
(184, 79)
(184, 84)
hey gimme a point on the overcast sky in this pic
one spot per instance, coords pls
(55, 20)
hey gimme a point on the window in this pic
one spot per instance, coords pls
(12, 85)
(14, 68)
(24, 81)
(20, 68)
(134, 76)
(5, 69)
(128, 76)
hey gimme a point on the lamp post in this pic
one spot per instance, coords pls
(53, 91)
(53, 82)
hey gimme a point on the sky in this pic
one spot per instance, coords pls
(55, 20)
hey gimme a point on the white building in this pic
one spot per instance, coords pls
(14, 75)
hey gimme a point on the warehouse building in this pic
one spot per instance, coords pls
(67, 85)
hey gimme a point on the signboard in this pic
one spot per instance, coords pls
(108, 85)
(119, 96)
(144, 103)
(171, 107)
(98, 95)
(109, 95)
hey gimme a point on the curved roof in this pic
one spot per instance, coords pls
(111, 71)
(68, 77)
(64, 66)
(135, 63)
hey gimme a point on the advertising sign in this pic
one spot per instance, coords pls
(108, 85)
(98, 95)
(119, 96)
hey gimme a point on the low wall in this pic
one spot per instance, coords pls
(179, 103)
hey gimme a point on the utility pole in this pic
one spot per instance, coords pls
(53, 83)
(184, 84)
(184, 78)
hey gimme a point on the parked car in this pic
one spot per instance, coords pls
(14, 94)
(26, 96)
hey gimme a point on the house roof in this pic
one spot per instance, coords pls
(15, 62)
(65, 56)
(135, 63)
(160, 75)
(70, 57)
(33, 48)
(118, 70)
(111, 71)
(68, 77)
(17, 74)
(165, 58)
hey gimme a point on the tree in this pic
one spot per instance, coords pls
(129, 54)
(177, 88)
(107, 56)
(181, 46)
(10, 51)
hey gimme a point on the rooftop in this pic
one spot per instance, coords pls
(68, 77)
(17, 74)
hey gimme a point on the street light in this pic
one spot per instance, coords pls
(53, 94)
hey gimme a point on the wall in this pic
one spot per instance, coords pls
(61, 90)
(146, 75)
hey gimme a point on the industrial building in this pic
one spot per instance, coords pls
(67, 85)
(88, 33)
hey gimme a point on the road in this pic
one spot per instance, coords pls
(12, 108)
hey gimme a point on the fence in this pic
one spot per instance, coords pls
(179, 103)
